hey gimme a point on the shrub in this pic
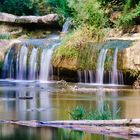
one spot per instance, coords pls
(25, 7)
(129, 15)
(60, 6)
(88, 12)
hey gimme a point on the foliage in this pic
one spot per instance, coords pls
(60, 6)
(5, 36)
(88, 12)
(133, 73)
(79, 113)
(83, 35)
(129, 15)
(18, 7)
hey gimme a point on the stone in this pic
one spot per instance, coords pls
(131, 57)
(47, 19)
(5, 17)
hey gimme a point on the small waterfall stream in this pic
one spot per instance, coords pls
(22, 63)
(33, 64)
(114, 68)
(98, 77)
(45, 67)
(8, 70)
(100, 67)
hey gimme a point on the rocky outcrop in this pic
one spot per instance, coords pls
(4, 46)
(17, 25)
(137, 83)
(131, 57)
(47, 19)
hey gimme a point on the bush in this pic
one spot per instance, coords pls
(88, 12)
(128, 18)
(25, 7)
(60, 6)
(18, 7)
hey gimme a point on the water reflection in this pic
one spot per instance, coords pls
(11, 132)
(49, 103)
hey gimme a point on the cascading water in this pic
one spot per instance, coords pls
(8, 70)
(33, 64)
(28, 63)
(100, 67)
(45, 67)
(22, 63)
(86, 76)
(66, 25)
(114, 68)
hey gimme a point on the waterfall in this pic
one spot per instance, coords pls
(114, 68)
(66, 25)
(86, 76)
(30, 61)
(22, 63)
(100, 66)
(8, 69)
(91, 76)
(45, 68)
(33, 64)
(79, 76)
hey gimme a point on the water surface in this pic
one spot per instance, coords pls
(50, 102)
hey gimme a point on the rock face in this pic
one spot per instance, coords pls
(5, 17)
(4, 46)
(137, 83)
(132, 57)
(47, 19)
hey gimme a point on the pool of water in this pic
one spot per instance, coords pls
(52, 101)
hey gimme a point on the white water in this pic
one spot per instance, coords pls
(8, 66)
(66, 26)
(33, 64)
(22, 63)
(100, 66)
(45, 64)
(114, 68)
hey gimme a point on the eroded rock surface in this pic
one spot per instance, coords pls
(47, 19)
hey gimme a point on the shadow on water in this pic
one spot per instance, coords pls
(10, 132)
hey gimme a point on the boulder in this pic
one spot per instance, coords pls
(137, 83)
(47, 19)
(5, 17)
(131, 58)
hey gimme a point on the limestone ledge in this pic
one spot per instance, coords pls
(47, 19)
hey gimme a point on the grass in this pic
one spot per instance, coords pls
(5, 36)
(80, 113)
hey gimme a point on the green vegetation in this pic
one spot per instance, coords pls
(129, 18)
(79, 113)
(5, 36)
(95, 14)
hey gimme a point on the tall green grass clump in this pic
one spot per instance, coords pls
(5, 36)
(105, 113)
